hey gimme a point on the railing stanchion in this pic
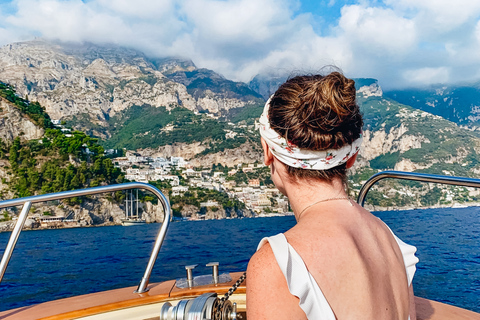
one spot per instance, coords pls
(414, 176)
(13, 238)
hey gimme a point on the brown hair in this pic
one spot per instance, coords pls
(317, 112)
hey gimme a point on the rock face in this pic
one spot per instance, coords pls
(231, 157)
(218, 213)
(402, 138)
(380, 142)
(185, 150)
(373, 90)
(153, 213)
(266, 85)
(5, 192)
(99, 81)
(13, 124)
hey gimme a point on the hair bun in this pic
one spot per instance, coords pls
(317, 112)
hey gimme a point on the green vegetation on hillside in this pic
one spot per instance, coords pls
(249, 113)
(379, 112)
(262, 174)
(150, 127)
(59, 163)
(444, 145)
(454, 103)
(33, 109)
(385, 161)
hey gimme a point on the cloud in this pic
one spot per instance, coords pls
(66, 21)
(427, 76)
(438, 16)
(142, 9)
(394, 41)
(377, 30)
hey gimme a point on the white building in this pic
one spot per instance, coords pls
(209, 203)
(174, 180)
(133, 171)
(179, 190)
(217, 174)
(178, 161)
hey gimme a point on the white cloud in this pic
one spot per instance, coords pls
(477, 31)
(253, 21)
(394, 41)
(377, 29)
(427, 76)
(439, 15)
(66, 21)
(143, 9)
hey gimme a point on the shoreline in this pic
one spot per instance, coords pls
(3, 228)
(455, 205)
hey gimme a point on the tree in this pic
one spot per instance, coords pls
(13, 153)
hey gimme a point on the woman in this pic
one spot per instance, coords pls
(339, 261)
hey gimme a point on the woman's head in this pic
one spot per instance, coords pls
(316, 113)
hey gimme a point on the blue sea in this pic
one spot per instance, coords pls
(52, 264)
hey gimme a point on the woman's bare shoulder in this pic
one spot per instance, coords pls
(262, 263)
(267, 283)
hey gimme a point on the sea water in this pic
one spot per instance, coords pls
(53, 264)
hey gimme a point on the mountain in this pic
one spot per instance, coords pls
(88, 84)
(151, 105)
(403, 138)
(266, 85)
(460, 104)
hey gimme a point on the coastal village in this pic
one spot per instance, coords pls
(257, 197)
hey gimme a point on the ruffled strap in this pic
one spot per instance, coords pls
(300, 282)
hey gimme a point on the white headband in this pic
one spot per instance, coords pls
(293, 156)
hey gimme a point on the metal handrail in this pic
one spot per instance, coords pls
(28, 201)
(423, 177)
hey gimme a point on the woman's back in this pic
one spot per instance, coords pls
(354, 259)
(353, 256)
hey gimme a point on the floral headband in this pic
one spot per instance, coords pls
(293, 156)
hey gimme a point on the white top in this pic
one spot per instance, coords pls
(302, 284)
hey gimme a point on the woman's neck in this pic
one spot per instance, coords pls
(304, 193)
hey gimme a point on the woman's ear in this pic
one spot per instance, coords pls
(351, 161)
(267, 154)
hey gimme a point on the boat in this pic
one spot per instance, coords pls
(216, 296)
(131, 219)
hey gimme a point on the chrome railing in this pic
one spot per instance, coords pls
(28, 201)
(422, 177)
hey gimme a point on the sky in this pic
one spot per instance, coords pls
(402, 43)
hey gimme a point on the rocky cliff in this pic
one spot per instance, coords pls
(15, 124)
